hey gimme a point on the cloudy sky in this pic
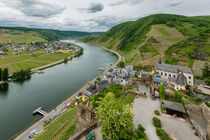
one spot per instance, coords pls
(91, 15)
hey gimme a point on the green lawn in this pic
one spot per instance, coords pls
(26, 60)
(59, 125)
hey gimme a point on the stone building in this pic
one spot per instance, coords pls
(178, 76)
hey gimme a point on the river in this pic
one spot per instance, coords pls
(49, 89)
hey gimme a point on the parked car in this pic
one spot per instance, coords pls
(90, 136)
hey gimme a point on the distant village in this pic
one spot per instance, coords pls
(49, 47)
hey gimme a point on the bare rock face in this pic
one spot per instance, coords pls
(200, 118)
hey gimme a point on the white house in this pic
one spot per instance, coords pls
(180, 76)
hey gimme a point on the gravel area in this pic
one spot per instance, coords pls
(178, 128)
(144, 112)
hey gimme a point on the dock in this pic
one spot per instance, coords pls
(40, 111)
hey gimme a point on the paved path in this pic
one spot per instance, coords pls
(144, 112)
(38, 126)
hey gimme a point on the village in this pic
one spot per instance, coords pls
(49, 47)
(168, 94)
(180, 88)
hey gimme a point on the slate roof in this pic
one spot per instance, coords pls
(174, 106)
(102, 84)
(172, 79)
(1, 52)
(160, 80)
(200, 82)
(181, 79)
(173, 68)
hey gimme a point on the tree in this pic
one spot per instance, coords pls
(5, 74)
(121, 64)
(162, 91)
(116, 122)
(206, 71)
(65, 60)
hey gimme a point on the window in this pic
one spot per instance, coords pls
(174, 76)
(189, 77)
(190, 82)
(161, 73)
(165, 74)
(169, 75)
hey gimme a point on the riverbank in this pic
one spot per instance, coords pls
(61, 107)
(116, 53)
(52, 64)
(80, 52)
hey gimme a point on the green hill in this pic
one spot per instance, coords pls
(26, 35)
(143, 41)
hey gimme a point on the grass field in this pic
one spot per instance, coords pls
(19, 36)
(60, 128)
(30, 60)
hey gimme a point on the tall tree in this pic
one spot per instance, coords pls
(5, 74)
(116, 123)
(162, 91)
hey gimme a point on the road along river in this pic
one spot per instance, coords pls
(49, 89)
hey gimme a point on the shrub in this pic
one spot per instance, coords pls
(157, 112)
(156, 122)
(65, 60)
(141, 128)
(140, 133)
(163, 135)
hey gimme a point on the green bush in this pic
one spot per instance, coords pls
(65, 60)
(156, 122)
(141, 128)
(163, 135)
(157, 112)
(140, 134)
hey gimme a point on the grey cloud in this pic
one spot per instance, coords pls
(176, 3)
(93, 8)
(106, 22)
(120, 2)
(36, 8)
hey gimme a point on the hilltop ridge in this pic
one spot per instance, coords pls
(143, 41)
